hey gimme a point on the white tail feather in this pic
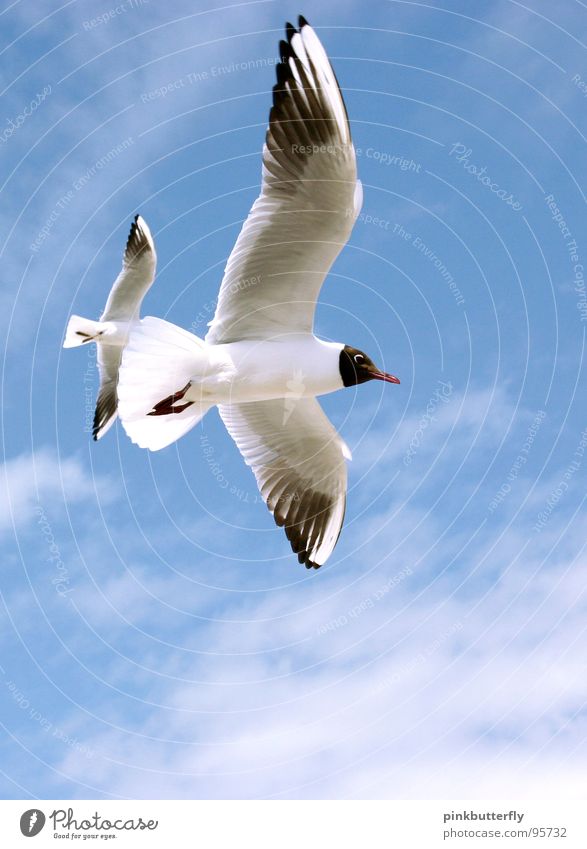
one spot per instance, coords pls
(81, 330)
(159, 359)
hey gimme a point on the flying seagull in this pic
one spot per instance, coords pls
(122, 310)
(260, 362)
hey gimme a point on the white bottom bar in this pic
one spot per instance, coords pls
(295, 824)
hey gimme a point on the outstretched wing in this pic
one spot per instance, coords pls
(310, 198)
(105, 415)
(138, 272)
(124, 302)
(298, 459)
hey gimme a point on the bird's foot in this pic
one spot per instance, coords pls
(168, 405)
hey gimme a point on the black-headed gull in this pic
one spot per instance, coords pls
(261, 362)
(122, 308)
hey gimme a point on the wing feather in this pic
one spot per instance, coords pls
(299, 463)
(136, 277)
(106, 406)
(307, 207)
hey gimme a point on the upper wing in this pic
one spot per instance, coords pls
(298, 459)
(137, 274)
(105, 415)
(309, 200)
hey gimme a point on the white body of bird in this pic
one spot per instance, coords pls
(161, 358)
(237, 372)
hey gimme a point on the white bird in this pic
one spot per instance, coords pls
(261, 362)
(111, 332)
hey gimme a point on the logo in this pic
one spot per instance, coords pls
(31, 822)
(295, 391)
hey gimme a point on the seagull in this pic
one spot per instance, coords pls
(120, 313)
(261, 363)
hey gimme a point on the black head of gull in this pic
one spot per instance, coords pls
(356, 367)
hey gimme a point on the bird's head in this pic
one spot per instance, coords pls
(356, 367)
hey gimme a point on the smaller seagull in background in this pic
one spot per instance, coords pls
(122, 309)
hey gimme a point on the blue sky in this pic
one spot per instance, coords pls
(159, 640)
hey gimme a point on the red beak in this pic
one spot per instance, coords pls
(388, 378)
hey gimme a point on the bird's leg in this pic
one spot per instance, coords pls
(88, 337)
(167, 405)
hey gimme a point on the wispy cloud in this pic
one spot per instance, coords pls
(370, 683)
(33, 482)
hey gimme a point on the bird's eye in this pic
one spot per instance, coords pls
(359, 358)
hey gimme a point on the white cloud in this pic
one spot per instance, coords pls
(42, 480)
(292, 694)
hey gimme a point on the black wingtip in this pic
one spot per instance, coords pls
(290, 31)
(285, 52)
(137, 216)
(282, 74)
(133, 229)
(305, 560)
(302, 22)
